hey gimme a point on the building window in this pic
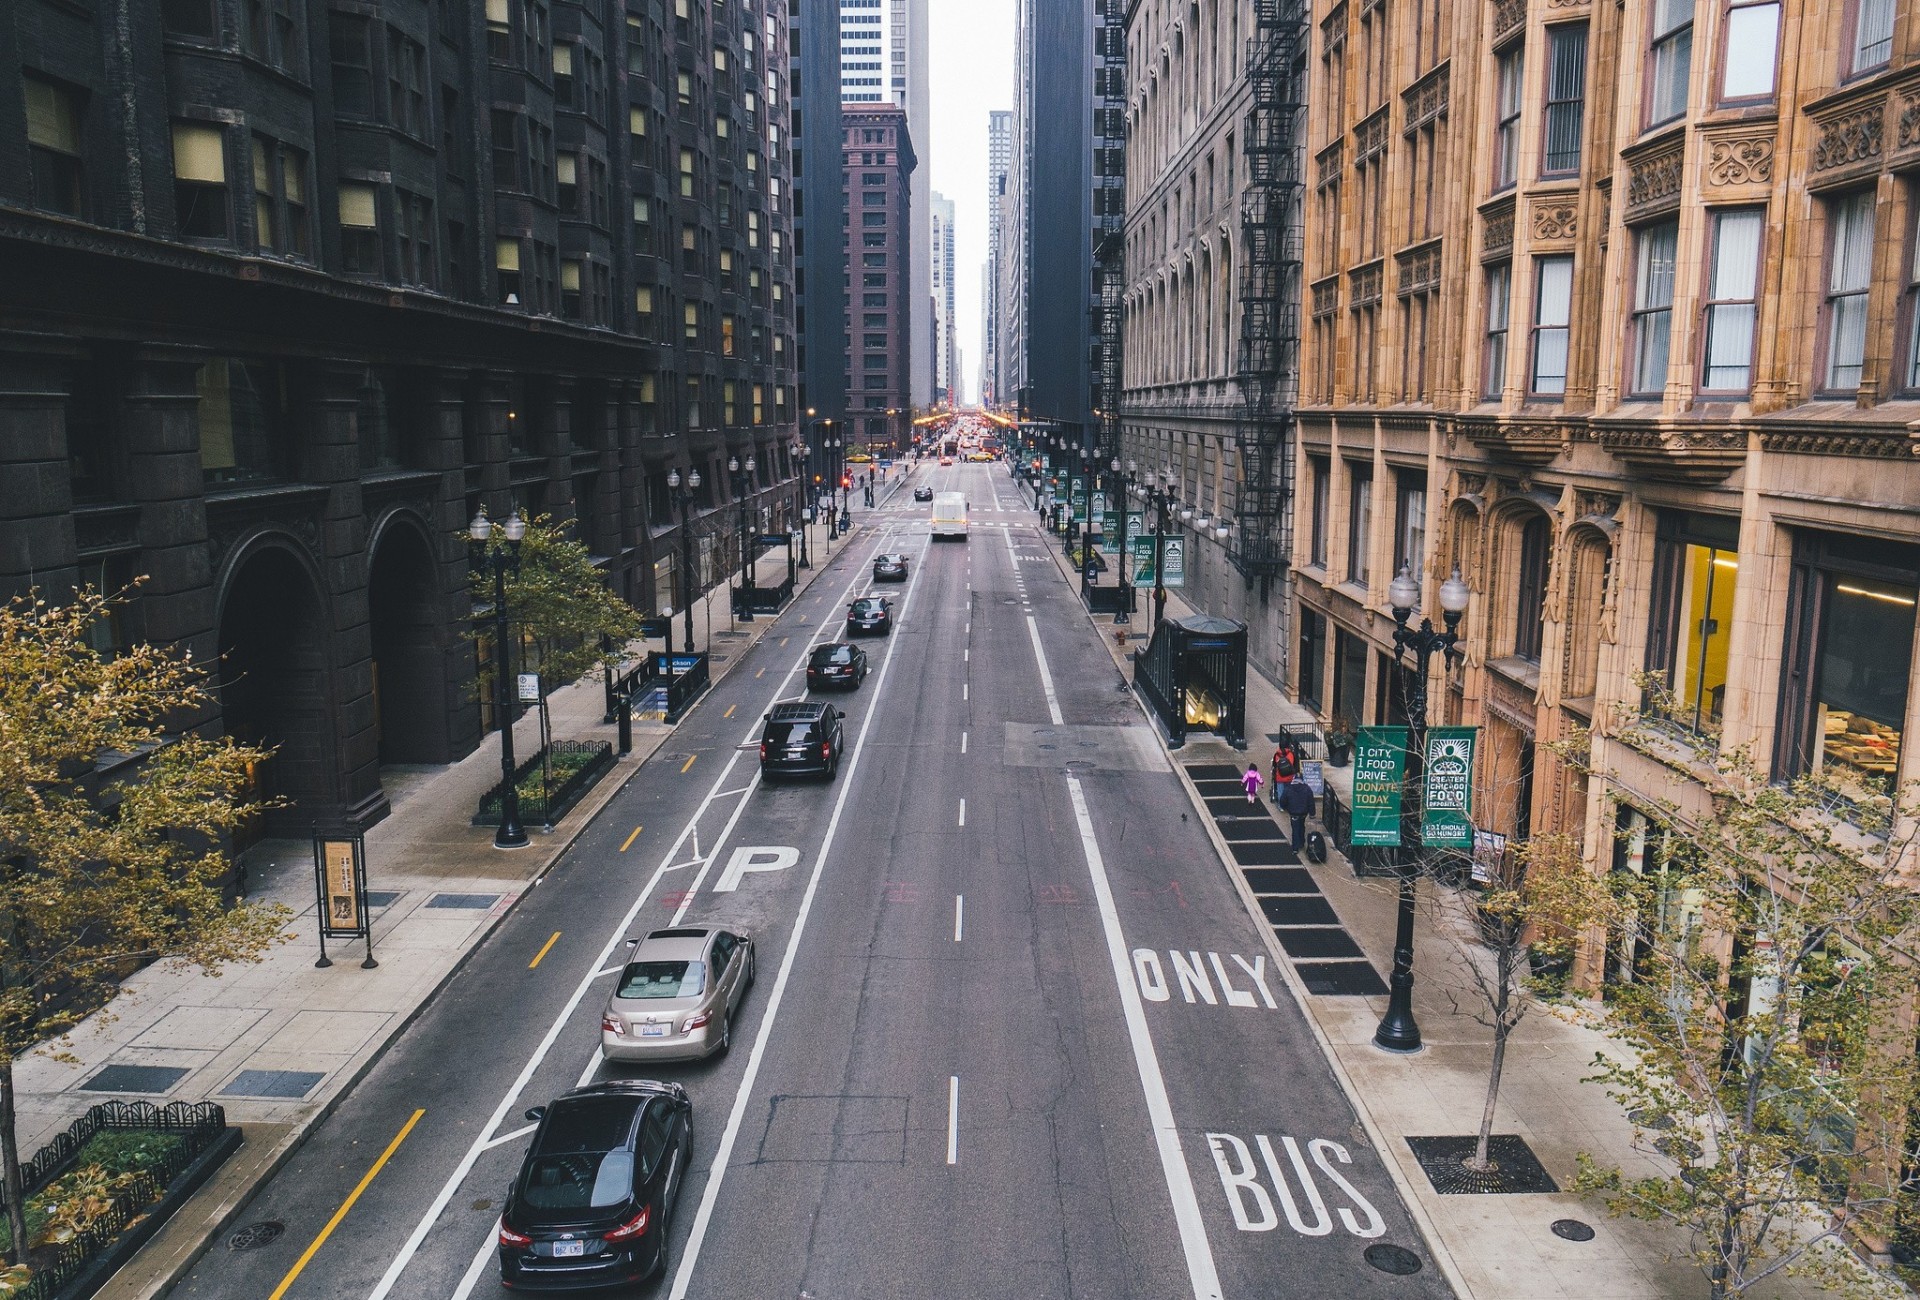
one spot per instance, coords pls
(506, 150)
(570, 289)
(1359, 523)
(1849, 659)
(1410, 523)
(1696, 565)
(1313, 658)
(1872, 34)
(566, 178)
(407, 85)
(1913, 308)
(189, 18)
(359, 230)
(499, 32)
(1530, 594)
(53, 145)
(1349, 677)
(686, 173)
(1749, 48)
(200, 181)
(1653, 307)
(1508, 89)
(506, 267)
(563, 75)
(1670, 55)
(1731, 307)
(350, 46)
(1322, 492)
(1499, 314)
(1566, 97)
(1552, 311)
(416, 229)
(242, 421)
(1849, 275)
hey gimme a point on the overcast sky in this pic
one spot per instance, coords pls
(971, 57)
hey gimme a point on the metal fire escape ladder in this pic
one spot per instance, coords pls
(1109, 225)
(1270, 273)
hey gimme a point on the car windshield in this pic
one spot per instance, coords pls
(662, 979)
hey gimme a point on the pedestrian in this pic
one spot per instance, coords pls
(1296, 800)
(1286, 765)
(1251, 782)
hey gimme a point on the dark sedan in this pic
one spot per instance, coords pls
(836, 664)
(890, 568)
(872, 614)
(590, 1206)
(923, 493)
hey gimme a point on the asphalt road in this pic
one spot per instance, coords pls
(978, 1060)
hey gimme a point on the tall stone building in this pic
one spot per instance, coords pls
(999, 159)
(946, 349)
(878, 163)
(292, 291)
(1614, 308)
(819, 218)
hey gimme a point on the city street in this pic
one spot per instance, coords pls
(1013, 1032)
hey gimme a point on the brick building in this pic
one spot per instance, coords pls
(294, 289)
(879, 165)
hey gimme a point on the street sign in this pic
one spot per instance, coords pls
(655, 627)
(1379, 771)
(529, 688)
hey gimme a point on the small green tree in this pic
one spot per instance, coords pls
(1768, 1015)
(561, 601)
(96, 879)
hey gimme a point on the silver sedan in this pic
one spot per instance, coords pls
(677, 996)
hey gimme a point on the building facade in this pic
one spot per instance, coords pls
(294, 292)
(1664, 421)
(819, 222)
(878, 167)
(999, 159)
(946, 357)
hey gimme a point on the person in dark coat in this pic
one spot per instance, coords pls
(1296, 800)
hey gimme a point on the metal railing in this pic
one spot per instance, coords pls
(549, 802)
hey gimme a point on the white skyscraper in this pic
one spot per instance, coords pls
(945, 348)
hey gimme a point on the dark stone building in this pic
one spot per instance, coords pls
(294, 288)
(819, 220)
(880, 343)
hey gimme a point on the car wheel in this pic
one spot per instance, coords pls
(726, 1034)
(662, 1257)
(752, 970)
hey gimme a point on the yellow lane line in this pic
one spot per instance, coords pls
(689, 763)
(341, 1213)
(544, 950)
(761, 673)
(628, 842)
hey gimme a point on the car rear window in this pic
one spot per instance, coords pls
(579, 1180)
(662, 979)
(790, 733)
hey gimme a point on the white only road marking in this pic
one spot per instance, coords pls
(710, 1194)
(963, 812)
(1046, 675)
(614, 944)
(959, 914)
(953, 1119)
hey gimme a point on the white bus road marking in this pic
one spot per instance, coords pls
(953, 1119)
(1253, 1209)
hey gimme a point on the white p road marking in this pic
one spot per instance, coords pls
(754, 857)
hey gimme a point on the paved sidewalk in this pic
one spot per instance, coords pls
(279, 1042)
(1491, 1247)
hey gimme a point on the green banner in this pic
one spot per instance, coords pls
(1379, 772)
(1077, 497)
(1110, 530)
(1446, 806)
(1142, 559)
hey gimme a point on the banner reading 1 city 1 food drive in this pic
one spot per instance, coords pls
(1379, 770)
(1446, 808)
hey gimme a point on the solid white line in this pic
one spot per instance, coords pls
(505, 1138)
(1046, 675)
(1201, 1273)
(953, 1119)
(963, 812)
(959, 913)
(489, 1249)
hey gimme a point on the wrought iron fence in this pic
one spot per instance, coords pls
(548, 802)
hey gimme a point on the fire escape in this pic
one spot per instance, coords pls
(1271, 248)
(1109, 222)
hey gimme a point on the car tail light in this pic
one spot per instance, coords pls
(612, 1024)
(698, 1020)
(826, 749)
(634, 1227)
(508, 1237)
(763, 749)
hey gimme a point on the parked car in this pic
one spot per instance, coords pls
(872, 614)
(836, 664)
(946, 460)
(890, 568)
(923, 493)
(677, 995)
(589, 1207)
(801, 738)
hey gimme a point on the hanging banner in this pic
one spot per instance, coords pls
(1379, 772)
(1446, 803)
(1110, 530)
(1173, 562)
(1077, 496)
(1142, 559)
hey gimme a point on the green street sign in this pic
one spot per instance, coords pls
(1379, 772)
(1446, 808)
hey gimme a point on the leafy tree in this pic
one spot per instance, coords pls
(1773, 1056)
(561, 601)
(98, 877)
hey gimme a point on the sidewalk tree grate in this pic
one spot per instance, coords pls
(1299, 910)
(1228, 805)
(1397, 1260)
(256, 1235)
(1515, 1168)
(286, 1085)
(135, 1078)
(1279, 880)
(1214, 771)
(1277, 854)
(1248, 828)
(1322, 941)
(1340, 979)
(1572, 1230)
(1220, 789)
(468, 902)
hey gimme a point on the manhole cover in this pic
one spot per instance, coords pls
(1572, 1230)
(256, 1235)
(1397, 1260)
(1080, 765)
(484, 1203)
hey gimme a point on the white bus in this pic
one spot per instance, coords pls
(949, 515)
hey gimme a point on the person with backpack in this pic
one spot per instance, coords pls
(1296, 800)
(1286, 766)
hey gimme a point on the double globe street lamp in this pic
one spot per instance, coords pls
(1159, 492)
(496, 548)
(683, 496)
(798, 449)
(1397, 1031)
(742, 490)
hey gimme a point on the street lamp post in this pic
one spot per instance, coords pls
(1124, 496)
(742, 489)
(1161, 487)
(683, 498)
(798, 448)
(496, 547)
(833, 488)
(1398, 1031)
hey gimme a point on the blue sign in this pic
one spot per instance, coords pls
(674, 665)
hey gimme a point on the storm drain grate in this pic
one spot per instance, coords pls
(288, 1085)
(256, 1235)
(1515, 1167)
(135, 1078)
(1397, 1260)
(472, 902)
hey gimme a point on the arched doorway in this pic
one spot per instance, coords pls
(409, 664)
(274, 681)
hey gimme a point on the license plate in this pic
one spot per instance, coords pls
(653, 1031)
(569, 1249)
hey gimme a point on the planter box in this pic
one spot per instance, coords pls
(557, 801)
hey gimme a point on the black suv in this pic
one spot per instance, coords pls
(800, 738)
(836, 664)
(923, 493)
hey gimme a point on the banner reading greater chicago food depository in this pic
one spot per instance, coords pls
(1446, 805)
(1379, 770)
